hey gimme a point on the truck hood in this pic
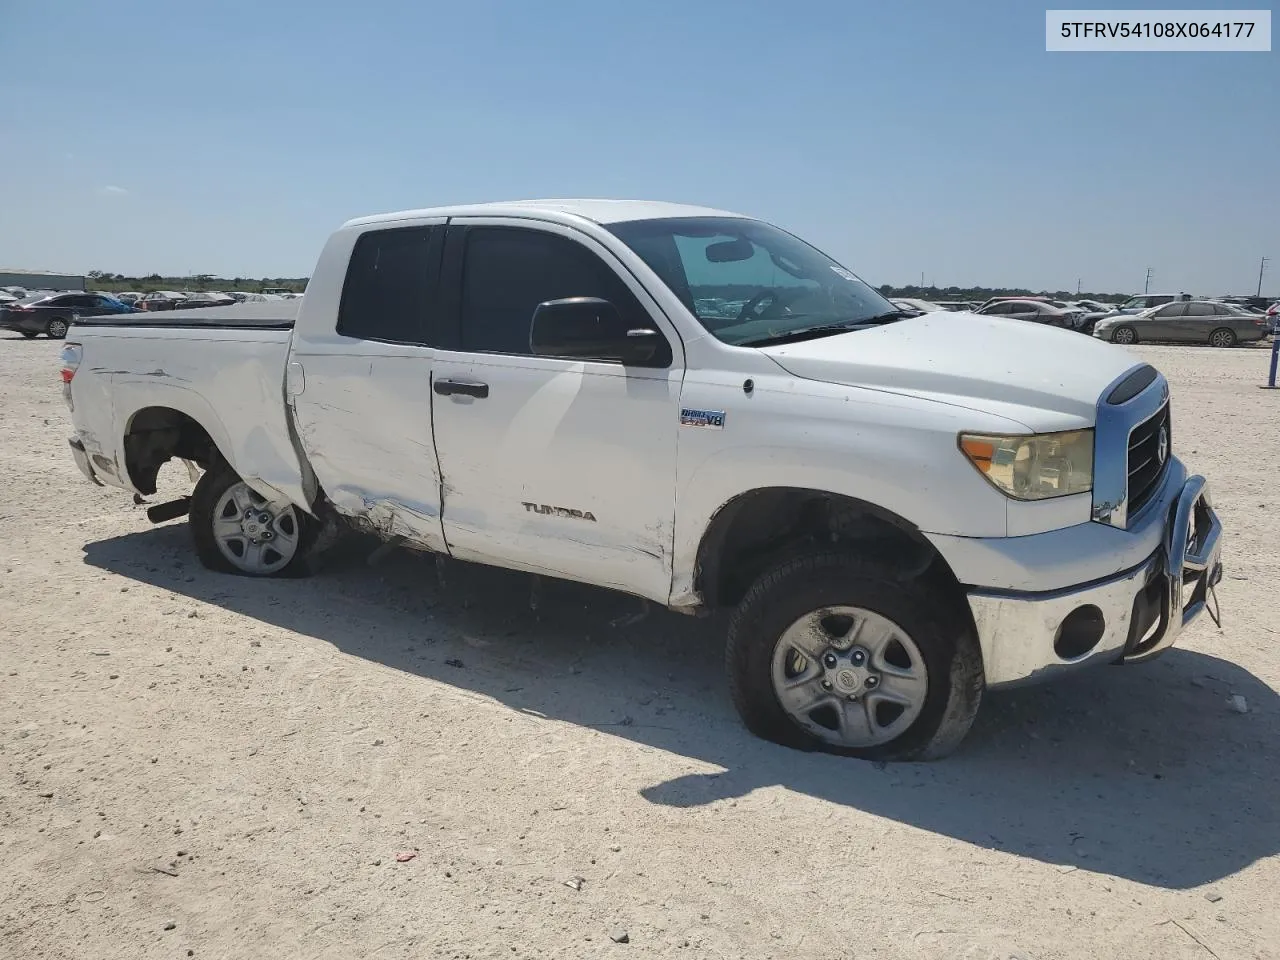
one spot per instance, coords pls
(1044, 377)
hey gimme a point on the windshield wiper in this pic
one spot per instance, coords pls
(804, 333)
(827, 329)
(891, 315)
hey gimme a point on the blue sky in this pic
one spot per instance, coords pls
(899, 137)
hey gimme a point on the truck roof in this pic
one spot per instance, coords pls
(598, 211)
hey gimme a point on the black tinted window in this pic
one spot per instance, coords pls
(507, 272)
(387, 293)
(1172, 310)
(1200, 310)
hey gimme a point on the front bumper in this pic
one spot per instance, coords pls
(1132, 617)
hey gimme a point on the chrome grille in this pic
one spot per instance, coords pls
(1148, 457)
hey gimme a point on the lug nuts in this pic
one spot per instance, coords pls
(872, 681)
(830, 661)
(826, 684)
(858, 658)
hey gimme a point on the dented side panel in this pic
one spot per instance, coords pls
(227, 380)
(364, 422)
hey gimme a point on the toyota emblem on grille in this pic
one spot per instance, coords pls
(1162, 446)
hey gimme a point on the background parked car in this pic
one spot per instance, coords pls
(1037, 311)
(1187, 321)
(957, 305)
(159, 300)
(1092, 306)
(53, 314)
(193, 301)
(1145, 301)
(1259, 304)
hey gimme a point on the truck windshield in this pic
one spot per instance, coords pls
(750, 283)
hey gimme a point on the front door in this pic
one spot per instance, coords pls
(1164, 323)
(565, 467)
(362, 397)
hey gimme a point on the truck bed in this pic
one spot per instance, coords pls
(273, 315)
(222, 367)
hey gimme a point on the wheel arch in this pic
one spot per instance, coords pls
(760, 527)
(153, 435)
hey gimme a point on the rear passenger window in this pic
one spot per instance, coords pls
(1200, 310)
(508, 271)
(388, 290)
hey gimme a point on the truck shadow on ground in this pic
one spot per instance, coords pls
(1142, 773)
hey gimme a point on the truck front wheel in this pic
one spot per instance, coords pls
(237, 531)
(829, 652)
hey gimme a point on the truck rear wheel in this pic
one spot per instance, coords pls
(237, 531)
(829, 652)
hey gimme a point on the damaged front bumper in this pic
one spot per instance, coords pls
(1132, 617)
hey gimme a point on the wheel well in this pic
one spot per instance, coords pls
(759, 529)
(157, 435)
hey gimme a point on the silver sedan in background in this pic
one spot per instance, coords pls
(1189, 321)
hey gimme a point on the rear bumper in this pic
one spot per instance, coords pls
(1132, 617)
(81, 457)
(22, 324)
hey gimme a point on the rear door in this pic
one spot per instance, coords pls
(361, 393)
(1198, 320)
(1025, 310)
(550, 465)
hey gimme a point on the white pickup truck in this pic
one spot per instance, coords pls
(701, 410)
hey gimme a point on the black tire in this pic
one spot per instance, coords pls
(804, 584)
(29, 334)
(1223, 337)
(1128, 337)
(56, 328)
(209, 490)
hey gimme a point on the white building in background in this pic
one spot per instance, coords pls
(40, 280)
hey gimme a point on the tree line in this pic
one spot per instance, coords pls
(203, 282)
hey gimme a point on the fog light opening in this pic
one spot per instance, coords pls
(1080, 632)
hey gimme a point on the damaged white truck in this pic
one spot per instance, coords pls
(701, 410)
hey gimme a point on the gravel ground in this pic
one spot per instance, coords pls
(208, 766)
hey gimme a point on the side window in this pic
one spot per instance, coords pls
(388, 289)
(1172, 310)
(1201, 310)
(508, 271)
(998, 309)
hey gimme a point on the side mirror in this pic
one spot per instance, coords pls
(588, 328)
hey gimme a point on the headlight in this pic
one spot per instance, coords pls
(1034, 468)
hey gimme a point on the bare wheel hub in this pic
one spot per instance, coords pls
(849, 676)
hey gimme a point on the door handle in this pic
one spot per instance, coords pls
(447, 388)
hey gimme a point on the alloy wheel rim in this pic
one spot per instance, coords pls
(849, 676)
(252, 535)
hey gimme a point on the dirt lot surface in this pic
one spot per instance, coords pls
(203, 765)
